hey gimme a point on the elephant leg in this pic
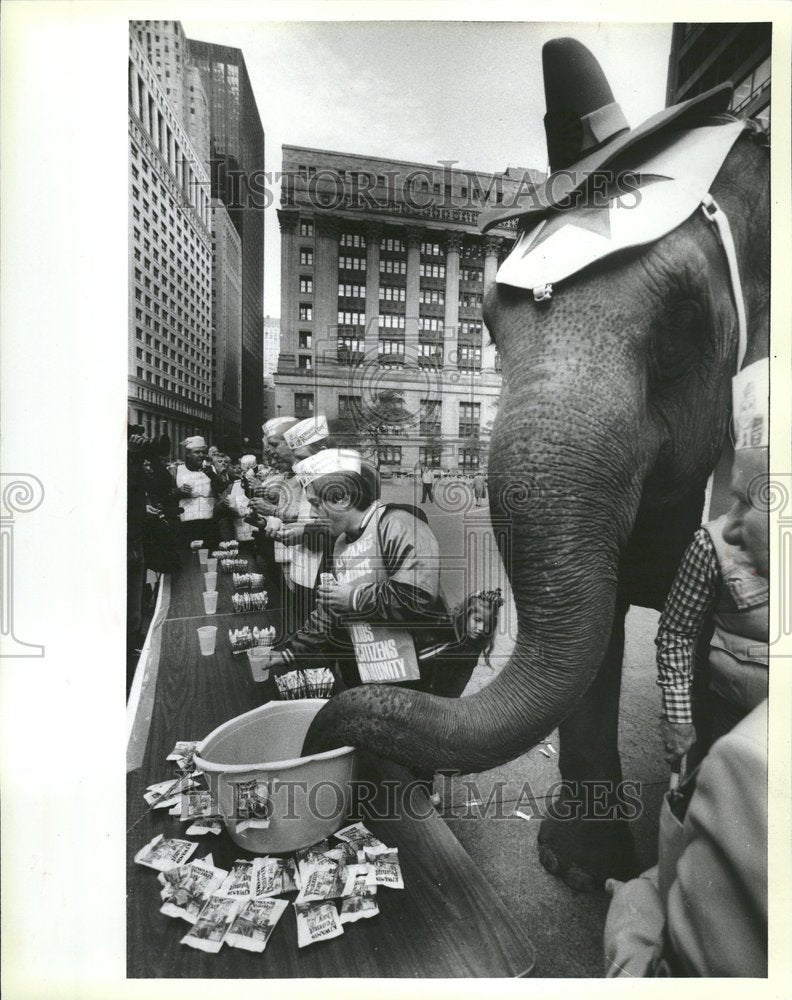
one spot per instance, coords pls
(584, 839)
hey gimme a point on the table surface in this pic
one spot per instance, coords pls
(447, 922)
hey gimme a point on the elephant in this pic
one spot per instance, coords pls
(614, 411)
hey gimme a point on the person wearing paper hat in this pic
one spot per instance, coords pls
(307, 540)
(723, 572)
(386, 560)
(196, 492)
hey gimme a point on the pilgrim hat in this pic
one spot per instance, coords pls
(586, 128)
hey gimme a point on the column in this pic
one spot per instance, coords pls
(289, 286)
(325, 300)
(414, 237)
(451, 318)
(373, 234)
(492, 246)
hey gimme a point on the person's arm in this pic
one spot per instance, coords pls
(411, 557)
(692, 595)
(316, 638)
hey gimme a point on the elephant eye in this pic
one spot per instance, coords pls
(680, 338)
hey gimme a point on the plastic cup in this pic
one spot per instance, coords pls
(211, 565)
(211, 581)
(210, 603)
(259, 658)
(203, 555)
(207, 636)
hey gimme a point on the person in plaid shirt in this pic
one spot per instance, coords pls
(724, 571)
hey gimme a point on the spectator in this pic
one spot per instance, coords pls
(387, 562)
(718, 575)
(479, 487)
(195, 489)
(428, 476)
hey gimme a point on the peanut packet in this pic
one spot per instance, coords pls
(162, 854)
(204, 826)
(385, 869)
(187, 888)
(320, 882)
(360, 838)
(360, 899)
(274, 876)
(239, 882)
(254, 923)
(316, 922)
(213, 923)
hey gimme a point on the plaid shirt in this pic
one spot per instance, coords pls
(693, 594)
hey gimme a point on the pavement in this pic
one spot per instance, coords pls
(565, 926)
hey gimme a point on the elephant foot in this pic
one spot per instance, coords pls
(583, 853)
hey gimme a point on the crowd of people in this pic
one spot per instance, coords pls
(301, 508)
(352, 573)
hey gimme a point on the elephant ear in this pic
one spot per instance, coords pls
(657, 187)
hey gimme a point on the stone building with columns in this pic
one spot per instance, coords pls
(383, 275)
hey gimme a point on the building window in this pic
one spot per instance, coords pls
(469, 416)
(431, 354)
(350, 350)
(391, 455)
(469, 459)
(756, 81)
(392, 245)
(392, 347)
(352, 263)
(352, 240)
(429, 456)
(306, 257)
(306, 285)
(432, 324)
(349, 406)
(431, 249)
(305, 340)
(352, 291)
(306, 312)
(431, 296)
(431, 270)
(469, 356)
(431, 410)
(392, 321)
(303, 404)
(351, 318)
(475, 274)
(388, 265)
(393, 293)
(304, 362)
(306, 229)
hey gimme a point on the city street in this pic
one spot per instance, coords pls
(565, 926)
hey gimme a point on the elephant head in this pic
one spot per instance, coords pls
(613, 413)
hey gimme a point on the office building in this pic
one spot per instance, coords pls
(237, 167)
(168, 51)
(383, 274)
(170, 264)
(703, 55)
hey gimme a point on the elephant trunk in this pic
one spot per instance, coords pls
(567, 516)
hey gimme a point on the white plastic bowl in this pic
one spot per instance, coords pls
(266, 743)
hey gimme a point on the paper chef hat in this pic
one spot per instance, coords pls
(751, 406)
(248, 461)
(276, 426)
(325, 463)
(307, 432)
(194, 442)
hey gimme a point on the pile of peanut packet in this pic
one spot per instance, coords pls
(314, 683)
(249, 601)
(243, 639)
(336, 884)
(248, 581)
(233, 565)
